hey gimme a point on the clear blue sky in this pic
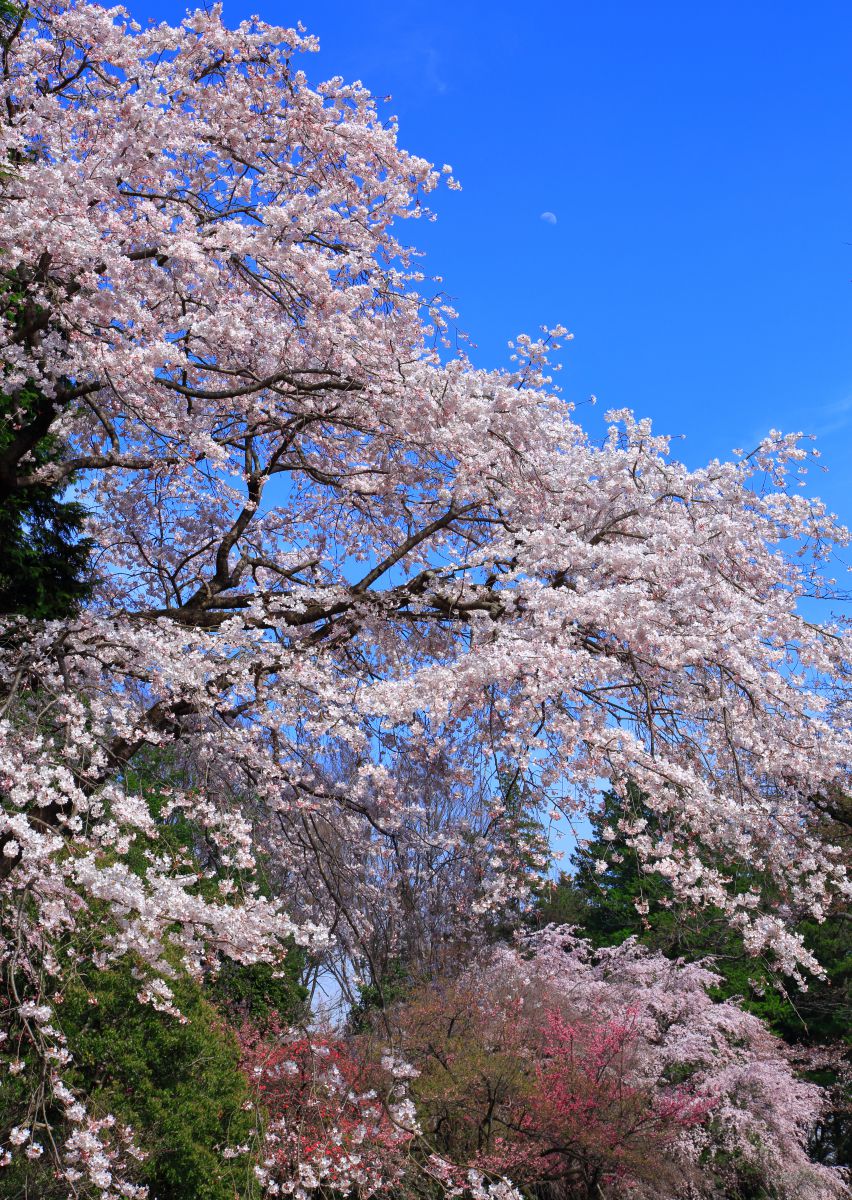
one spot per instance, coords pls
(698, 161)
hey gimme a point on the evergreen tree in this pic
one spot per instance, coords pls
(177, 1083)
(44, 553)
(45, 557)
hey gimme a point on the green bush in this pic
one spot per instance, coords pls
(177, 1084)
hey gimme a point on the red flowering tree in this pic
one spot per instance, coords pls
(331, 1121)
(592, 1114)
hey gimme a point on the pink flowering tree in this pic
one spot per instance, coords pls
(324, 537)
(608, 1072)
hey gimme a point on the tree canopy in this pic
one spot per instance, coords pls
(352, 582)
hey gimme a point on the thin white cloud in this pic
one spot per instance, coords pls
(834, 417)
(549, 217)
(820, 422)
(433, 75)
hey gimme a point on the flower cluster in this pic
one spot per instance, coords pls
(327, 1124)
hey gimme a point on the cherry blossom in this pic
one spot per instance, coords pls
(325, 536)
(608, 1072)
(326, 1126)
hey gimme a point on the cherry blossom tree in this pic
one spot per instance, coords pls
(331, 1120)
(606, 1072)
(324, 535)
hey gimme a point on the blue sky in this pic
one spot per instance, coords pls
(698, 162)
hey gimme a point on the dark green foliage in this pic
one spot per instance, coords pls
(179, 1085)
(604, 904)
(259, 991)
(45, 569)
(9, 14)
(44, 559)
(253, 992)
(374, 998)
